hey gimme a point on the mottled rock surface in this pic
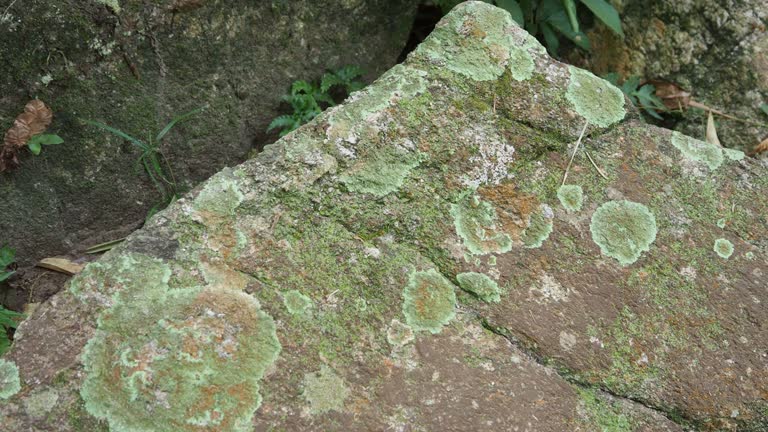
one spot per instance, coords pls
(716, 50)
(136, 64)
(409, 261)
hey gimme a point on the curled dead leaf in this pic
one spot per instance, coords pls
(672, 95)
(33, 121)
(760, 148)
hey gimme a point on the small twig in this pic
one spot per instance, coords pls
(573, 155)
(5, 12)
(599, 171)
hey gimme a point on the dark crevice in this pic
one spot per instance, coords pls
(667, 412)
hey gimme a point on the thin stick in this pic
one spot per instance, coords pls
(573, 155)
(599, 171)
(5, 12)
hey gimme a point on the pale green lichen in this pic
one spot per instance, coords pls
(112, 4)
(697, 150)
(733, 154)
(539, 227)
(724, 248)
(399, 334)
(721, 223)
(571, 197)
(481, 285)
(220, 195)
(100, 281)
(429, 301)
(476, 223)
(595, 99)
(178, 359)
(623, 230)
(325, 391)
(381, 173)
(493, 48)
(296, 302)
(39, 404)
(10, 384)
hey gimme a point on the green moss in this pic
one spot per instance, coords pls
(476, 223)
(380, 173)
(595, 99)
(296, 302)
(399, 334)
(39, 404)
(325, 391)
(481, 285)
(623, 230)
(697, 150)
(10, 384)
(178, 359)
(429, 301)
(220, 195)
(724, 248)
(571, 197)
(604, 416)
(539, 228)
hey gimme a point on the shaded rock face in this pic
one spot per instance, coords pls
(717, 50)
(135, 65)
(410, 261)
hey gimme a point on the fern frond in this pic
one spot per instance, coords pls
(281, 122)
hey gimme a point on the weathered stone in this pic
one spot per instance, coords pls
(716, 50)
(360, 285)
(135, 65)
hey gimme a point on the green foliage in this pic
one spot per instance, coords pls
(550, 19)
(7, 255)
(642, 96)
(8, 319)
(37, 142)
(764, 108)
(309, 99)
(152, 160)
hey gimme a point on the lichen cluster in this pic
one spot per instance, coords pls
(429, 301)
(595, 99)
(10, 383)
(571, 197)
(477, 224)
(700, 151)
(481, 285)
(623, 230)
(325, 391)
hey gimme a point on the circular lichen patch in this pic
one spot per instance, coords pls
(699, 151)
(477, 224)
(539, 227)
(595, 99)
(182, 360)
(10, 384)
(571, 197)
(325, 391)
(724, 248)
(429, 301)
(481, 285)
(623, 230)
(399, 334)
(296, 302)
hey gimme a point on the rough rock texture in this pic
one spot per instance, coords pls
(717, 50)
(134, 65)
(404, 263)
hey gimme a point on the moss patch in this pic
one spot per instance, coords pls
(429, 301)
(623, 230)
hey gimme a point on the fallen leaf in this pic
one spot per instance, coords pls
(61, 265)
(33, 121)
(760, 148)
(672, 95)
(712, 131)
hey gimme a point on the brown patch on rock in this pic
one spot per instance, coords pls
(512, 207)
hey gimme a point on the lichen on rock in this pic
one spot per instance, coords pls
(724, 248)
(595, 99)
(623, 230)
(539, 227)
(324, 391)
(571, 197)
(699, 151)
(477, 224)
(296, 302)
(429, 301)
(481, 285)
(10, 383)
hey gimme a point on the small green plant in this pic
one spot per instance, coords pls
(37, 142)
(642, 96)
(7, 255)
(549, 19)
(152, 159)
(310, 99)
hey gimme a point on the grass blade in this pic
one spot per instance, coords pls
(117, 132)
(605, 13)
(173, 122)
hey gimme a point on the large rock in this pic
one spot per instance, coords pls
(716, 50)
(409, 261)
(135, 65)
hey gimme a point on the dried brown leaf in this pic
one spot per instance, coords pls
(712, 131)
(33, 121)
(760, 148)
(61, 265)
(672, 95)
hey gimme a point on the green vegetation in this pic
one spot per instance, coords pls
(36, 143)
(550, 19)
(8, 319)
(310, 99)
(641, 96)
(7, 255)
(153, 160)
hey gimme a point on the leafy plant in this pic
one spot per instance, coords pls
(152, 159)
(550, 19)
(8, 320)
(7, 255)
(36, 142)
(27, 130)
(642, 96)
(310, 99)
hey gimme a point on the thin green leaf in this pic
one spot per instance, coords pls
(103, 247)
(764, 108)
(605, 13)
(5, 275)
(5, 343)
(46, 139)
(121, 134)
(513, 7)
(173, 122)
(34, 147)
(7, 256)
(570, 9)
(348, 73)
(550, 38)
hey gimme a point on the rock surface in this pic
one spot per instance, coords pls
(409, 261)
(135, 65)
(716, 50)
